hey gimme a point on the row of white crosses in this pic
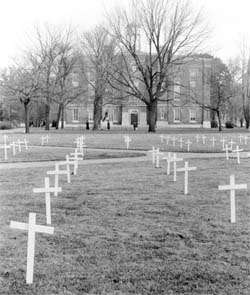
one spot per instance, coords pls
(156, 159)
(175, 139)
(5, 146)
(31, 226)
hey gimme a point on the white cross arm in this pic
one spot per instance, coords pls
(47, 190)
(60, 172)
(232, 187)
(38, 228)
(187, 169)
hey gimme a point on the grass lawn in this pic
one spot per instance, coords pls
(127, 228)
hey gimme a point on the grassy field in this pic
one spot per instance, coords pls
(127, 228)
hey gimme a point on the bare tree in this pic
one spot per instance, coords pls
(220, 80)
(52, 48)
(98, 49)
(21, 83)
(153, 37)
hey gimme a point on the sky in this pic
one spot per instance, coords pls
(228, 20)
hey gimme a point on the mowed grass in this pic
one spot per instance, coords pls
(127, 228)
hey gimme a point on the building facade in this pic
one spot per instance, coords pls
(180, 106)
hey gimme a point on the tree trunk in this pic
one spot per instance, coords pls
(246, 115)
(219, 120)
(26, 117)
(152, 115)
(97, 111)
(47, 113)
(62, 117)
(58, 115)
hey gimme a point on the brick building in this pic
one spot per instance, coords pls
(179, 108)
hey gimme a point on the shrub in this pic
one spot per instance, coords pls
(229, 124)
(214, 124)
(5, 125)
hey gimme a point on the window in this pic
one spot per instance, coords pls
(193, 78)
(115, 115)
(75, 115)
(192, 115)
(177, 89)
(177, 114)
(90, 114)
(162, 114)
(75, 82)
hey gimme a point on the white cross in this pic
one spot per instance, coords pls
(19, 145)
(153, 154)
(246, 138)
(203, 139)
(161, 137)
(58, 172)
(13, 144)
(46, 137)
(223, 140)
(197, 138)
(5, 138)
(232, 187)
(213, 141)
(169, 159)
(226, 149)
(185, 170)
(231, 143)
(241, 137)
(68, 162)
(181, 141)
(47, 190)
(188, 142)
(237, 151)
(5, 147)
(157, 158)
(167, 139)
(32, 228)
(175, 160)
(127, 141)
(25, 143)
(174, 140)
(77, 155)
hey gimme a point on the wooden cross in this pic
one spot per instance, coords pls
(226, 149)
(47, 190)
(169, 159)
(161, 137)
(213, 141)
(25, 143)
(175, 160)
(13, 144)
(19, 145)
(46, 137)
(68, 162)
(231, 143)
(197, 138)
(127, 141)
(237, 151)
(246, 138)
(5, 147)
(174, 140)
(223, 140)
(32, 228)
(203, 139)
(241, 137)
(167, 139)
(157, 158)
(188, 142)
(5, 138)
(185, 170)
(181, 141)
(232, 187)
(77, 155)
(58, 172)
(153, 154)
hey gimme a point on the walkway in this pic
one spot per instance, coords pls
(142, 158)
